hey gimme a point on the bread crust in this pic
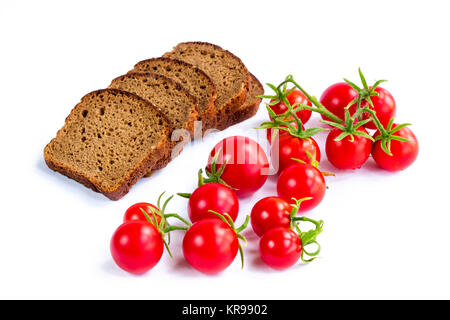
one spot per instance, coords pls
(233, 103)
(208, 116)
(247, 110)
(142, 168)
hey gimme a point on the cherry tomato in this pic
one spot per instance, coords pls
(347, 153)
(296, 96)
(246, 164)
(210, 245)
(269, 213)
(134, 212)
(301, 181)
(288, 147)
(280, 248)
(136, 246)
(212, 196)
(336, 97)
(403, 153)
(384, 106)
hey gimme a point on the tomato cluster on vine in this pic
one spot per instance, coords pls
(351, 111)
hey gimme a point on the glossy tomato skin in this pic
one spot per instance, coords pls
(136, 246)
(212, 196)
(269, 213)
(280, 248)
(134, 212)
(336, 97)
(300, 181)
(296, 96)
(384, 106)
(210, 246)
(287, 147)
(403, 153)
(247, 164)
(347, 154)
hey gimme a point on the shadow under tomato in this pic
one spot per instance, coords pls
(182, 266)
(370, 167)
(111, 268)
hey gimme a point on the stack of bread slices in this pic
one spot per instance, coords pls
(115, 136)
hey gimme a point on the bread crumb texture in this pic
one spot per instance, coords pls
(168, 96)
(191, 78)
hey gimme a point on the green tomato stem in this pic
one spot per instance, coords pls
(319, 107)
(377, 122)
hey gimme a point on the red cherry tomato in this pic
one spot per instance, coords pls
(384, 106)
(280, 248)
(246, 164)
(215, 197)
(288, 147)
(336, 97)
(269, 213)
(347, 153)
(301, 181)
(136, 246)
(296, 96)
(134, 212)
(403, 153)
(210, 245)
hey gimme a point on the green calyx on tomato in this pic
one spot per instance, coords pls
(387, 135)
(283, 121)
(229, 221)
(306, 237)
(365, 92)
(213, 175)
(309, 237)
(350, 125)
(280, 94)
(163, 226)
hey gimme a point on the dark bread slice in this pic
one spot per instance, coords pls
(180, 107)
(191, 78)
(248, 108)
(229, 74)
(109, 141)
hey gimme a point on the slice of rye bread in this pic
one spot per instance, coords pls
(229, 74)
(180, 107)
(250, 106)
(191, 78)
(109, 141)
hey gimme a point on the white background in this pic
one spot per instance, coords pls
(386, 234)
